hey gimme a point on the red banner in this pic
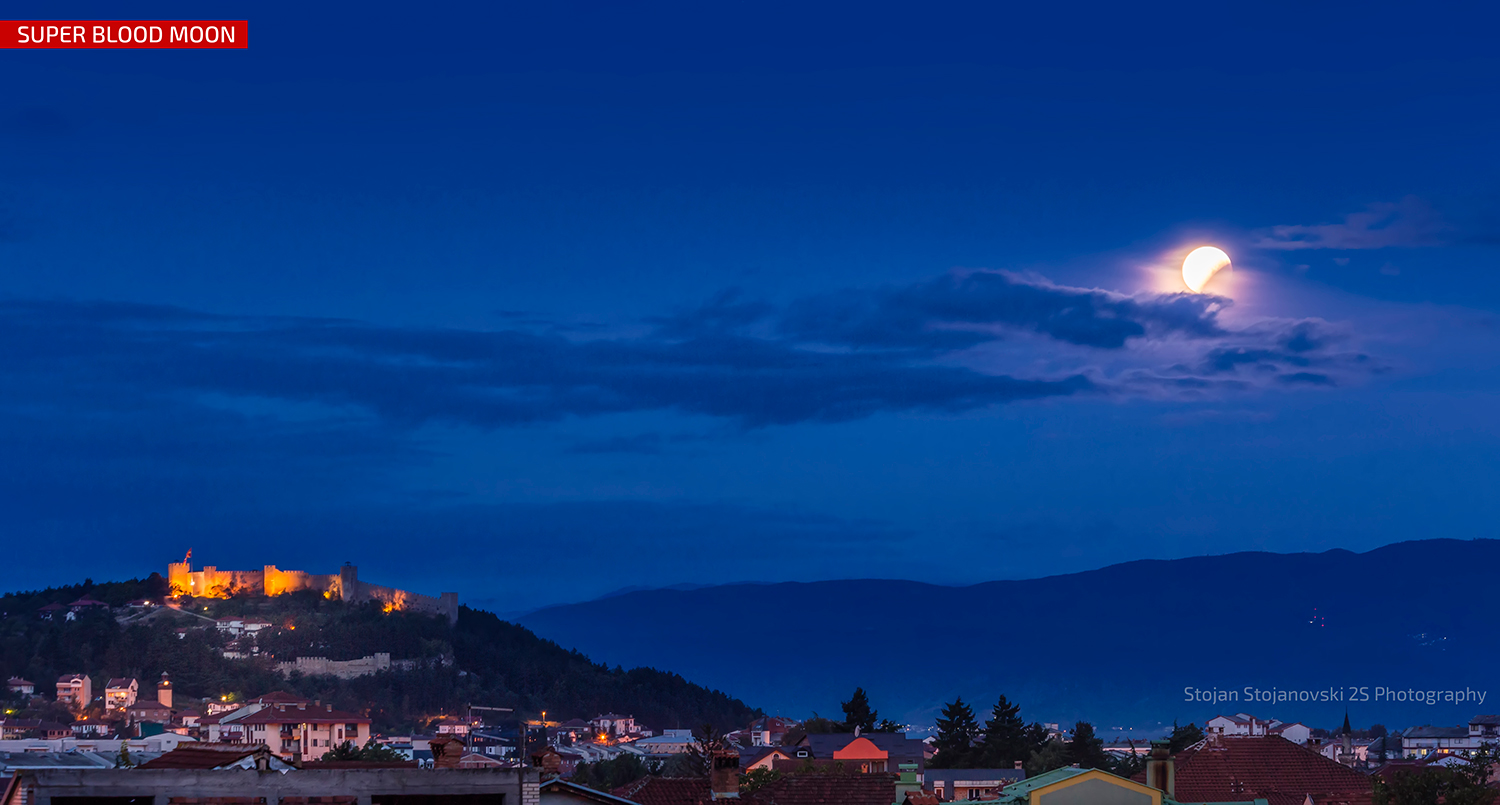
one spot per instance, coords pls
(56, 34)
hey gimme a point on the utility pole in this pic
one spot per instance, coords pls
(469, 721)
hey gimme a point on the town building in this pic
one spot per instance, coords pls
(1419, 742)
(1075, 786)
(120, 693)
(335, 786)
(722, 783)
(237, 626)
(824, 749)
(970, 784)
(147, 711)
(614, 725)
(86, 604)
(19, 728)
(1246, 724)
(1422, 741)
(75, 690)
(20, 687)
(92, 728)
(303, 729)
(670, 742)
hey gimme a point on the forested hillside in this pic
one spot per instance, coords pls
(481, 660)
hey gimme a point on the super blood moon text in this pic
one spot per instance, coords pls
(126, 34)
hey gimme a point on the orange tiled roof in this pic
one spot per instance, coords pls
(1240, 768)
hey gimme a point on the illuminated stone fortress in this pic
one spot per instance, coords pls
(211, 582)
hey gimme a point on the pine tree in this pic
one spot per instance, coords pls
(1005, 736)
(1184, 736)
(957, 731)
(1086, 750)
(858, 713)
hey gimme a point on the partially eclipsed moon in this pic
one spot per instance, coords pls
(1201, 265)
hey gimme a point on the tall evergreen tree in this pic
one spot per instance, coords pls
(858, 714)
(1005, 737)
(1087, 750)
(957, 731)
(1184, 736)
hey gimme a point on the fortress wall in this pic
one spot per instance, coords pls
(271, 580)
(343, 669)
(279, 581)
(446, 604)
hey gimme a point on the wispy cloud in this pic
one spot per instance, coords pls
(828, 358)
(1408, 222)
(962, 309)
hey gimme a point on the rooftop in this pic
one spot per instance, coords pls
(1240, 768)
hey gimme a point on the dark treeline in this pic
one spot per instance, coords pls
(481, 660)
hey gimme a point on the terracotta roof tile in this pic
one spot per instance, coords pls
(203, 756)
(1240, 768)
(667, 791)
(794, 789)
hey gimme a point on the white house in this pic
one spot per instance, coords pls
(1246, 724)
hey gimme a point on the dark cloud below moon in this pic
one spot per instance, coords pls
(820, 359)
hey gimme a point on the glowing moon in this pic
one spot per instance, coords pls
(1201, 265)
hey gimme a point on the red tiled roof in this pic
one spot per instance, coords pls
(148, 704)
(795, 789)
(818, 789)
(201, 756)
(1240, 768)
(215, 718)
(280, 696)
(667, 791)
(313, 714)
(359, 764)
(119, 682)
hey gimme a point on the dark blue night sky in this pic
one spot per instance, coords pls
(540, 301)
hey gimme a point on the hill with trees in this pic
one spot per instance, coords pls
(480, 660)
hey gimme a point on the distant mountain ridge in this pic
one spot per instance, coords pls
(1118, 645)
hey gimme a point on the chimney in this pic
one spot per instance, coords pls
(549, 762)
(164, 691)
(1160, 772)
(446, 752)
(724, 774)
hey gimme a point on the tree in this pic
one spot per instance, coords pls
(1005, 737)
(1052, 755)
(699, 758)
(956, 732)
(123, 761)
(344, 751)
(1184, 736)
(371, 752)
(756, 779)
(1378, 731)
(858, 715)
(1086, 750)
(607, 775)
(1128, 765)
